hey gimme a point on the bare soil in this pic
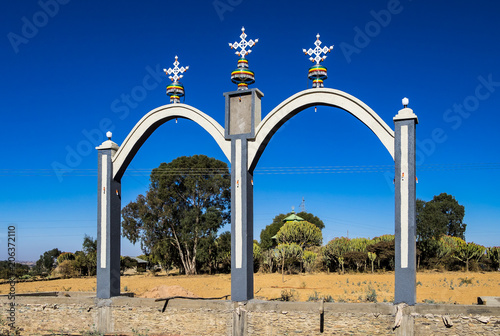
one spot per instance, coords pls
(432, 287)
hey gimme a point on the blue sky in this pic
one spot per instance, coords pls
(72, 69)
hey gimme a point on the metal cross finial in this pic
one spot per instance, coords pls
(317, 51)
(243, 44)
(176, 71)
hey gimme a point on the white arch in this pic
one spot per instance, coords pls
(311, 97)
(154, 119)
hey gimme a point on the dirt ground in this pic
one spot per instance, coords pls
(432, 287)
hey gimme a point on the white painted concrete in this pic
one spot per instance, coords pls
(104, 208)
(238, 223)
(160, 115)
(320, 96)
(404, 196)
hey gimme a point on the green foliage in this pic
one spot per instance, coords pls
(67, 269)
(384, 249)
(65, 256)
(431, 221)
(18, 271)
(446, 247)
(206, 254)
(188, 200)
(214, 254)
(372, 256)
(335, 251)
(442, 215)
(467, 251)
(309, 217)
(257, 256)
(493, 254)
(371, 295)
(465, 281)
(47, 262)
(268, 260)
(355, 258)
(302, 233)
(431, 226)
(383, 238)
(454, 213)
(224, 252)
(89, 248)
(309, 258)
(288, 295)
(360, 244)
(316, 297)
(286, 254)
(127, 263)
(80, 263)
(266, 235)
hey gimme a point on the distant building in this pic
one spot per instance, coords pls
(141, 265)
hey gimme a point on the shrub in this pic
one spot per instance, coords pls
(65, 256)
(309, 258)
(371, 296)
(328, 298)
(66, 269)
(314, 297)
(465, 281)
(288, 295)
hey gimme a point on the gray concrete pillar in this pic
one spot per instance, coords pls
(108, 223)
(405, 207)
(104, 316)
(239, 319)
(243, 113)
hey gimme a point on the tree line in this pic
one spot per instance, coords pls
(177, 221)
(188, 201)
(57, 263)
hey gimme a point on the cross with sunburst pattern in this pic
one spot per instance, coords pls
(176, 71)
(243, 44)
(317, 51)
(175, 90)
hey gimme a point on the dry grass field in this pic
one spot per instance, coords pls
(432, 287)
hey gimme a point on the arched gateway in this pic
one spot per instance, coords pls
(243, 139)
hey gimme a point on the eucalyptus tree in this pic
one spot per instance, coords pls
(188, 200)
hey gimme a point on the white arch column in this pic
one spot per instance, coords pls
(405, 207)
(243, 113)
(112, 163)
(108, 223)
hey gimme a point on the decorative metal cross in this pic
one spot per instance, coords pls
(175, 90)
(176, 70)
(317, 51)
(317, 73)
(243, 44)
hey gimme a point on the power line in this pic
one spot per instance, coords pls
(145, 172)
